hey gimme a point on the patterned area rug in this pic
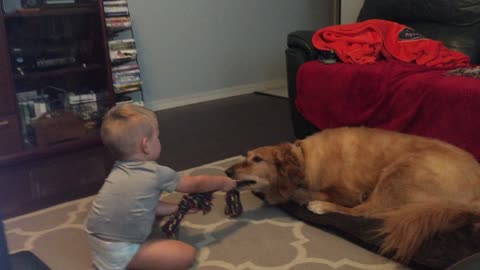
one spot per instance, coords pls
(263, 237)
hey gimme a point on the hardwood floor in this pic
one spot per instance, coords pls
(191, 136)
(210, 131)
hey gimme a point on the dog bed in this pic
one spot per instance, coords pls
(438, 253)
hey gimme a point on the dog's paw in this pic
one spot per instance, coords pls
(316, 207)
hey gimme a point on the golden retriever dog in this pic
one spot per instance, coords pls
(418, 186)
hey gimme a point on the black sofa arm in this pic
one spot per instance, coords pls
(302, 40)
(300, 50)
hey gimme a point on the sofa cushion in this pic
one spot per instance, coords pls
(461, 38)
(392, 95)
(455, 23)
(458, 12)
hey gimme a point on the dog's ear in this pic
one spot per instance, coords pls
(290, 170)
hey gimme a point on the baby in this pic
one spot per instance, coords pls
(126, 206)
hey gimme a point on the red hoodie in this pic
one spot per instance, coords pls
(367, 41)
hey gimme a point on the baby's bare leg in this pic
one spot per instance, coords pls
(163, 254)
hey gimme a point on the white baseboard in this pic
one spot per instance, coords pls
(168, 103)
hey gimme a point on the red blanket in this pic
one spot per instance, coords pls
(365, 42)
(392, 95)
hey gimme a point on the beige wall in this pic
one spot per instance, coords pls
(188, 47)
(350, 10)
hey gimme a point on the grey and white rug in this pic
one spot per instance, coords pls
(263, 238)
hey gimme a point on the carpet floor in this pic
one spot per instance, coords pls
(263, 237)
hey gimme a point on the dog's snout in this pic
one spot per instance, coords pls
(229, 172)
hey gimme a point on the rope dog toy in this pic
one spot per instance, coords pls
(203, 202)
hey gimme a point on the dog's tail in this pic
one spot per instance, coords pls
(405, 229)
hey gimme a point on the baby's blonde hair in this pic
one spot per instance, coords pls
(123, 128)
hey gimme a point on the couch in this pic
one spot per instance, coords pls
(442, 107)
(455, 23)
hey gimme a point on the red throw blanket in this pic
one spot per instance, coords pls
(392, 95)
(367, 41)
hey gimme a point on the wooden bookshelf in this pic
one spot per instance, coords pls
(42, 152)
(58, 72)
(39, 160)
(76, 9)
(45, 34)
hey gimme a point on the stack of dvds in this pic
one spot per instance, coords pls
(116, 24)
(126, 78)
(115, 8)
(122, 50)
(127, 82)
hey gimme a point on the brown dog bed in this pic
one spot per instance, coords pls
(440, 252)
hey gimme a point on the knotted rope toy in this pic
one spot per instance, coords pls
(203, 202)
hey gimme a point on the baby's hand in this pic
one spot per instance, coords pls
(229, 184)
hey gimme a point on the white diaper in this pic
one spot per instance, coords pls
(111, 255)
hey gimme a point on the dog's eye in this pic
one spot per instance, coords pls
(257, 159)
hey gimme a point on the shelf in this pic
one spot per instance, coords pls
(41, 152)
(54, 11)
(57, 72)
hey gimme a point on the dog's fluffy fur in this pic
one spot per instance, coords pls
(417, 186)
